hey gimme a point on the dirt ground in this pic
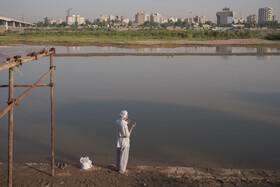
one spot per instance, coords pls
(38, 174)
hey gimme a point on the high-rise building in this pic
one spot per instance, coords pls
(265, 14)
(274, 18)
(200, 19)
(103, 17)
(157, 18)
(252, 18)
(141, 17)
(119, 18)
(112, 18)
(225, 17)
(75, 20)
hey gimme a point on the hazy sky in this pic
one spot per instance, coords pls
(35, 10)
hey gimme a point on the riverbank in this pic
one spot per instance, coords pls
(157, 43)
(37, 174)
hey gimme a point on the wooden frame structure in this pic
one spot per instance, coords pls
(12, 63)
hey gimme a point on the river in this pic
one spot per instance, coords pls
(200, 111)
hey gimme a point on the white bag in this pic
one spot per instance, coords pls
(85, 163)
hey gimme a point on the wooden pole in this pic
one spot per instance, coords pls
(11, 116)
(17, 63)
(52, 114)
(26, 85)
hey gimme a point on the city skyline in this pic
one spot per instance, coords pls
(93, 9)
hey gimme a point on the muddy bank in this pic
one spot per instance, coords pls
(162, 44)
(37, 174)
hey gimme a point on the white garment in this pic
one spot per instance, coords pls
(122, 159)
(122, 134)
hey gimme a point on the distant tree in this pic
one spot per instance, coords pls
(88, 22)
(178, 23)
(40, 24)
(212, 24)
(270, 24)
(46, 22)
(164, 25)
(63, 24)
(186, 24)
(54, 25)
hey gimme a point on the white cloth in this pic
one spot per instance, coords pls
(85, 163)
(122, 159)
(123, 114)
(122, 134)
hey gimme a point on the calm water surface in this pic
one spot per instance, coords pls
(190, 110)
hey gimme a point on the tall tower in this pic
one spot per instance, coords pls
(68, 18)
(265, 14)
(225, 17)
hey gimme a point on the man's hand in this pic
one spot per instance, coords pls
(132, 127)
(128, 121)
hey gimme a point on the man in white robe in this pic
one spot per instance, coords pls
(123, 142)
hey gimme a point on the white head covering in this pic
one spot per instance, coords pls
(123, 114)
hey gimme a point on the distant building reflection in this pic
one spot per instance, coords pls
(70, 49)
(263, 50)
(224, 49)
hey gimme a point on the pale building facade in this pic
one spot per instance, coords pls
(75, 20)
(265, 14)
(141, 17)
(200, 19)
(252, 18)
(103, 17)
(158, 18)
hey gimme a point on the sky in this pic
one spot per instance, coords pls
(35, 10)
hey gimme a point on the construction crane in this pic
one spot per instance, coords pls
(68, 12)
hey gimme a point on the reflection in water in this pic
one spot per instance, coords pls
(224, 49)
(263, 50)
(73, 49)
(190, 111)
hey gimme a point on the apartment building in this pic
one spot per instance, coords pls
(157, 18)
(103, 17)
(252, 18)
(75, 20)
(265, 14)
(141, 17)
(225, 17)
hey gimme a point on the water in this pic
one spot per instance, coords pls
(190, 110)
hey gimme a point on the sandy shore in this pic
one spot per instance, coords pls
(37, 174)
(158, 44)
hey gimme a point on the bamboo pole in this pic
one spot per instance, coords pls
(11, 116)
(16, 101)
(52, 115)
(26, 85)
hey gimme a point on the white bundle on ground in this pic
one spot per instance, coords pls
(85, 163)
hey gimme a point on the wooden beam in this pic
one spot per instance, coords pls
(27, 85)
(16, 62)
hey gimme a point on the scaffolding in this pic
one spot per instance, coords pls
(12, 63)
